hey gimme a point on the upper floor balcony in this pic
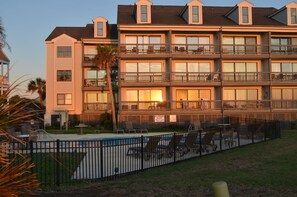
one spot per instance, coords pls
(248, 51)
(182, 78)
(283, 51)
(206, 105)
(194, 50)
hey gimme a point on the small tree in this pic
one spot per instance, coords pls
(106, 57)
(38, 86)
(15, 168)
(3, 42)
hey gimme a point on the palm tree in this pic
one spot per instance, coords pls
(3, 42)
(106, 57)
(38, 86)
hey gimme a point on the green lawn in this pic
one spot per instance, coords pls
(265, 169)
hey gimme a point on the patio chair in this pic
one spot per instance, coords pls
(208, 141)
(189, 144)
(142, 128)
(229, 137)
(168, 150)
(148, 150)
(196, 126)
(129, 128)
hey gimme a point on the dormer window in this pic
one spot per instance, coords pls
(293, 16)
(192, 12)
(99, 28)
(143, 13)
(286, 15)
(241, 13)
(245, 15)
(195, 14)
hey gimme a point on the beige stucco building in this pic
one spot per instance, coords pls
(178, 64)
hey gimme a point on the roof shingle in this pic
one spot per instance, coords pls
(212, 16)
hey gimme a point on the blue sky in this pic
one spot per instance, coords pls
(29, 22)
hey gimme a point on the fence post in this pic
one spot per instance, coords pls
(142, 151)
(265, 130)
(253, 134)
(101, 158)
(58, 165)
(31, 154)
(174, 148)
(238, 136)
(200, 145)
(221, 136)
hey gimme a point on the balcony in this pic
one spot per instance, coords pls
(284, 77)
(145, 77)
(208, 105)
(195, 51)
(248, 51)
(173, 105)
(284, 51)
(91, 83)
(144, 105)
(88, 59)
(245, 77)
(95, 107)
(246, 105)
(154, 50)
(284, 104)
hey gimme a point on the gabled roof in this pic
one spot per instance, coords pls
(82, 32)
(3, 57)
(74, 32)
(212, 16)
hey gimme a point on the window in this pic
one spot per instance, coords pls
(237, 98)
(64, 99)
(64, 52)
(285, 67)
(141, 44)
(280, 44)
(143, 13)
(240, 71)
(99, 28)
(192, 43)
(195, 14)
(143, 71)
(293, 16)
(284, 97)
(192, 71)
(145, 99)
(245, 15)
(191, 98)
(238, 44)
(64, 75)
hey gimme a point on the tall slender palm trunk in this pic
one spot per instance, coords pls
(113, 112)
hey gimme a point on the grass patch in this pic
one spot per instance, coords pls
(265, 169)
(46, 167)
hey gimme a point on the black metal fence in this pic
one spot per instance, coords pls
(60, 164)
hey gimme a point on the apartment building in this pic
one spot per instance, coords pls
(179, 64)
(4, 74)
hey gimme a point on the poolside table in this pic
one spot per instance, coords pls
(81, 127)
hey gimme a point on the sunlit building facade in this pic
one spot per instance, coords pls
(180, 64)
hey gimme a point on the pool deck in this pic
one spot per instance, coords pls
(51, 137)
